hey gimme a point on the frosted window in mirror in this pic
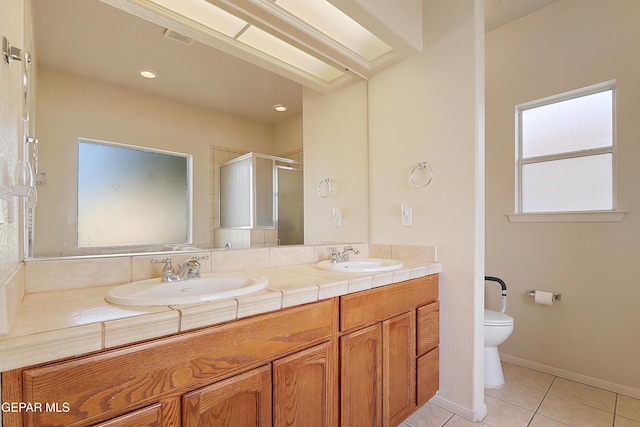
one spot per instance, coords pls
(132, 196)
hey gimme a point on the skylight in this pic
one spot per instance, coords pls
(237, 30)
(329, 20)
(283, 51)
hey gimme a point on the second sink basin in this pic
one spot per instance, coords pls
(209, 287)
(361, 265)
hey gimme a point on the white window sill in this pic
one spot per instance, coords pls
(594, 216)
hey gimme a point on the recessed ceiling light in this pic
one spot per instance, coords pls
(148, 74)
(280, 107)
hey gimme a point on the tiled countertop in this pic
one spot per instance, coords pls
(58, 324)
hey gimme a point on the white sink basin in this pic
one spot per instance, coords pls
(361, 265)
(209, 287)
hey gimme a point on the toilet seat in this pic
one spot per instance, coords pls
(495, 318)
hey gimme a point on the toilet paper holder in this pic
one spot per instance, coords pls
(532, 293)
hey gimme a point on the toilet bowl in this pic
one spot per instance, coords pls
(497, 328)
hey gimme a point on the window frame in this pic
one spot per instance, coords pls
(565, 216)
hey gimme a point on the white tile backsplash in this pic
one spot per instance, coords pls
(76, 273)
(47, 275)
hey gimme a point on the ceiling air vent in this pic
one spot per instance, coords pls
(174, 35)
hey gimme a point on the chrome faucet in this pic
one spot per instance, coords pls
(344, 255)
(189, 269)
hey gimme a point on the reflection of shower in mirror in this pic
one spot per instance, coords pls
(21, 185)
(261, 195)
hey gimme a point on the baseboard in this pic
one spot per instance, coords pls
(606, 385)
(467, 413)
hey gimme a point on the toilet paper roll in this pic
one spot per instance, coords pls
(543, 297)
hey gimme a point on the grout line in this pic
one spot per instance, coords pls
(447, 420)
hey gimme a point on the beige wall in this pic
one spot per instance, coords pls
(70, 106)
(335, 147)
(288, 136)
(428, 109)
(592, 333)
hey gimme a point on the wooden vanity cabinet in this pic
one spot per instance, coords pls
(127, 383)
(364, 359)
(380, 385)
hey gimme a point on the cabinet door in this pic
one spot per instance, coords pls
(399, 368)
(304, 388)
(361, 378)
(243, 400)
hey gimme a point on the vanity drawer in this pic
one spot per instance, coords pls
(149, 416)
(102, 386)
(428, 375)
(428, 322)
(366, 308)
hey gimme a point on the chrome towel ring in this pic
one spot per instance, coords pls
(424, 176)
(324, 188)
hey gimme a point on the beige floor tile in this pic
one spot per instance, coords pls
(542, 421)
(457, 421)
(574, 413)
(526, 376)
(429, 415)
(504, 414)
(628, 407)
(626, 422)
(582, 393)
(518, 394)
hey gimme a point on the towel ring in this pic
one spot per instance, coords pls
(428, 172)
(324, 188)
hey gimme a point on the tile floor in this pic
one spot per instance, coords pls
(531, 398)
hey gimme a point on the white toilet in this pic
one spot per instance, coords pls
(498, 326)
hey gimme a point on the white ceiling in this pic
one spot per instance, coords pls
(91, 38)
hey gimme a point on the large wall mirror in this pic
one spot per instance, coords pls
(204, 103)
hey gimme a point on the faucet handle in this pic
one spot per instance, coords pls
(168, 267)
(335, 256)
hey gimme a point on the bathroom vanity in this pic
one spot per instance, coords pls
(367, 358)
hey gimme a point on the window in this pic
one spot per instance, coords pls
(566, 152)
